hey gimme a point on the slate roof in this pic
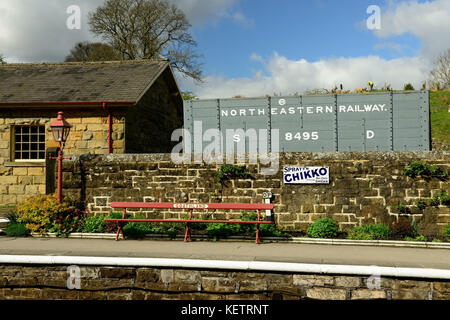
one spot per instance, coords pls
(72, 82)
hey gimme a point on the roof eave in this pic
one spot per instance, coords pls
(65, 103)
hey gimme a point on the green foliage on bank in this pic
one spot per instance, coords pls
(323, 228)
(376, 231)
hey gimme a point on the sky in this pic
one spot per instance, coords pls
(257, 47)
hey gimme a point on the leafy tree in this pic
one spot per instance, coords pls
(440, 75)
(408, 86)
(188, 95)
(148, 29)
(2, 59)
(85, 51)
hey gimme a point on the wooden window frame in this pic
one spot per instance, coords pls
(40, 143)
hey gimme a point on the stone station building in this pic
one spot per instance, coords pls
(113, 107)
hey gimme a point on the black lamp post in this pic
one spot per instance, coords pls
(60, 129)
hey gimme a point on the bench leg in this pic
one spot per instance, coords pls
(119, 229)
(258, 239)
(187, 233)
(120, 226)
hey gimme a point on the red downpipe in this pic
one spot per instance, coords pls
(109, 127)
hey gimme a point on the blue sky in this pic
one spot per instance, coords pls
(258, 47)
(294, 29)
(262, 47)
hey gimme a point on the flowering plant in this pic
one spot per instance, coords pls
(39, 212)
(71, 220)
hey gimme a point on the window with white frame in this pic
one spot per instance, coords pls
(29, 143)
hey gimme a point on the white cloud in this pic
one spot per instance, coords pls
(429, 21)
(36, 31)
(240, 19)
(33, 32)
(289, 76)
(398, 48)
(200, 12)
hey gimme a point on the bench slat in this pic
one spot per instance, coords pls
(204, 206)
(190, 221)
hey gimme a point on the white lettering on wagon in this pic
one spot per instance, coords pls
(234, 112)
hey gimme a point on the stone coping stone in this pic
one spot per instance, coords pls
(350, 156)
(378, 243)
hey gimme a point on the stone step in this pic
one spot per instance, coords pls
(4, 212)
(3, 223)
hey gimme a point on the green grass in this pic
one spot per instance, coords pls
(440, 117)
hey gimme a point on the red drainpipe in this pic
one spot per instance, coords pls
(109, 127)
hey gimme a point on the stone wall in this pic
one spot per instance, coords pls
(362, 188)
(138, 283)
(89, 134)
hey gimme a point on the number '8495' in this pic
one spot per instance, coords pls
(288, 136)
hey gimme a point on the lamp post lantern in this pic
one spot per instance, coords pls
(60, 129)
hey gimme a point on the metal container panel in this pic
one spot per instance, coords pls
(322, 123)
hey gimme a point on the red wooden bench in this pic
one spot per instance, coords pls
(191, 207)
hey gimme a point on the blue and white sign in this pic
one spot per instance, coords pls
(306, 175)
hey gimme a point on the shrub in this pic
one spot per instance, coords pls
(418, 168)
(266, 230)
(111, 226)
(421, 204)
(17, 229)
(71, 220)
(200, 225)
(270, 230)
(402, 228)
(438, 172)
(421, 238)
(446, 231)
(230, 171)
(408, 86)
(435, 201)
(94, 224)
(245, 227)
(136, 230)
(401, 208)
(12, 216)
(444, 198)
(370, 232)
(418, 238)
(39, 212)
(323, 228)
(220, 230)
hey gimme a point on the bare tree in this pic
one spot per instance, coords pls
(85, 51)
(440, 75)
(148, 29)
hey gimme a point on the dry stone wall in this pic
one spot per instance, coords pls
(363, 187)
(139, 283)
